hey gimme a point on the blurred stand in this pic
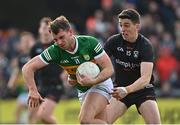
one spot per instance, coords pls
(160, 23)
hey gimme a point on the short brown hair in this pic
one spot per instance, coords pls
(60, 23)
(45, 20)
(26, 33)
(131, 14)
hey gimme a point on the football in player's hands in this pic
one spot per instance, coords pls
(88, 69)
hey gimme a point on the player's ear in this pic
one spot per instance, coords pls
(138, 27)
(70, 31)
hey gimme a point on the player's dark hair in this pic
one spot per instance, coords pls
(130, 14)
(59, 23)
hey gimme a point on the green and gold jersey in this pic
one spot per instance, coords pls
(87, 49)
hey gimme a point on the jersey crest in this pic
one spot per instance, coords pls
(86, 57)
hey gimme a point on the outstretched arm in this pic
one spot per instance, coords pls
(28, 73)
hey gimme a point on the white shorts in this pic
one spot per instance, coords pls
(104, 89)
(23, 98)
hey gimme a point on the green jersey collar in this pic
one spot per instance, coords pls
(76, 48)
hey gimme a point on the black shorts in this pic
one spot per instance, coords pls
(139, 97)
(53, 92)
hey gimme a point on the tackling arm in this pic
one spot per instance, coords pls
(146, 73)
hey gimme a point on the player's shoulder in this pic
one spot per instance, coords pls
(54, 48)
(85, 37)
(144, 40)
(114, 38)
(86, 40)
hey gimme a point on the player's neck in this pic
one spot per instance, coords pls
(133, 39)
(73, 45)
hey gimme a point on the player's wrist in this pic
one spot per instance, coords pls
(94, 81)
(33, 89)
(128, 89)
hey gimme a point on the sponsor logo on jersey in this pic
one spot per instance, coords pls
(86, 57)
(64, 61)
(127, 64)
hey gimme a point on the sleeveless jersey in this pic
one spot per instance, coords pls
(87, 49)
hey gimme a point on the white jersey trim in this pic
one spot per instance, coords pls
(101, 54)
(43, 60)
(76, 48)
(47, 55)
(98, 48)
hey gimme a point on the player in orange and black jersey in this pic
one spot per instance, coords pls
(16, 78)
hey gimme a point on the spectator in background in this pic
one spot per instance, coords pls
(13, 38)
(26, 42)
(166, 65)
(154, 40)
(107, 6)
(167, 14)
(177, 29)
(177, 49)
(4, 63)
(167, 41)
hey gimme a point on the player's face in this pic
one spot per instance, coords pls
(44, 33)
(64, 39)
(129, 30)
(26, 42)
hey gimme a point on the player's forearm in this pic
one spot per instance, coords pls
(138, 84)
(146, 73)
(13, 77)
(106, 68)
(104, 75)
(28, 75)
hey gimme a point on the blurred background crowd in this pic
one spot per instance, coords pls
(160, 23)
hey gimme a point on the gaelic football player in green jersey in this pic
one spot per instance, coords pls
(69, 51)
